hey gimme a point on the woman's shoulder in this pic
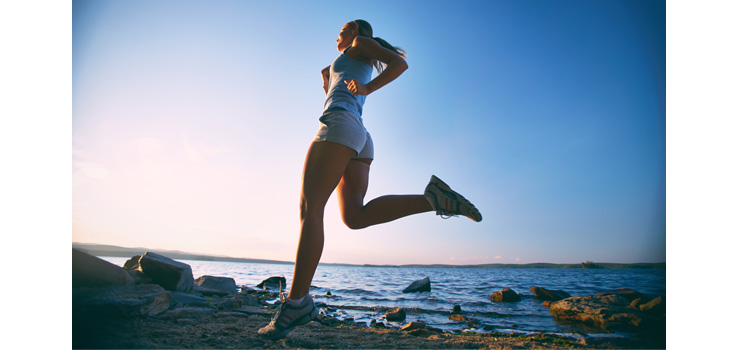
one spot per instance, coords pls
(361, 46)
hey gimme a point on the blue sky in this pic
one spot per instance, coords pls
(191, 120)
(173, 123)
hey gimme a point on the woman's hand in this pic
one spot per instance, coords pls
(357, 88)
(326, 74)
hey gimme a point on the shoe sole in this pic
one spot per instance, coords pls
(300, 321)
(473, 212)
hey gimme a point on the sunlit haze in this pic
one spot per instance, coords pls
(191, 120)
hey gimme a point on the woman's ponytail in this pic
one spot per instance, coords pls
(365, 29)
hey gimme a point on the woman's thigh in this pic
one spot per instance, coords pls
(324, 167)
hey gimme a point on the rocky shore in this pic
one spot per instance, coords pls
(155, 302)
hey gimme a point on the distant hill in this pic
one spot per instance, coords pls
(115, 251)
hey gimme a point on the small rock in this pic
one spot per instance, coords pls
(546, 303)
(549, 294)
(656, 306)
(225, 284)
(328, 293)
(626, 293)
(132, 263)
(456, 309)
(188, 312)
(422, 285)
(636, 304)
(273, 283)
(413, 326)
(209, 291)
(457, 317)
(395, 314)
(506, 294)
(180, 298)
(380, 325)
(230, 303)
(252, 310)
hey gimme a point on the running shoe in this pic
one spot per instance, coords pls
(447, 202)
(287, 317)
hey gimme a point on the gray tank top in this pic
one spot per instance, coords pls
(339, 96)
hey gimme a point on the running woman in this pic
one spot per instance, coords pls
(340, 157)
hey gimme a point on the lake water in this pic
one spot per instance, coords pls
(356, 290)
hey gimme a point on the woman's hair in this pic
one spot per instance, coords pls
(365, 29)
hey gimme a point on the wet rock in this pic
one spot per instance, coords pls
(376, 324)
(224, 284)
(395, 314)
(273, 283)
(422, 285)
(655, 306)
(458, 317)
(506, 294)
(90, 271)
(607, 312)
(636, 304)
(121, 301)
(168, 273)
(411, 326)
(626, 293)
(549, 294)
(546, 303)
(456, 309)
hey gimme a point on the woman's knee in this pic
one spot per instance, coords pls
(309, 210)
(354, 220)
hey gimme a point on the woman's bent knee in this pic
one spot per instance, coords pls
(354, 221)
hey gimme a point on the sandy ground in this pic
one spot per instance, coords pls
(206, 328)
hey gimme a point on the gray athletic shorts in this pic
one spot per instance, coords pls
(346, 128)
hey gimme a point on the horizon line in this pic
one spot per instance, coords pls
(204, 255)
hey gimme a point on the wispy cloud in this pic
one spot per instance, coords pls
(90, 169)
(200, 152)
(148, 145)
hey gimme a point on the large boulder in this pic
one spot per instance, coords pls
(121, 301)
(506, 294)
(273, 283)
(606, 312)
(422, 285)
(168, 273)
(549, 294)
(225, 285)
(90, 271)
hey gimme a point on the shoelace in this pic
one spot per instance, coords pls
(282, 298)
(445, 215)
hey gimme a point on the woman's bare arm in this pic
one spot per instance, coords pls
(368, 48)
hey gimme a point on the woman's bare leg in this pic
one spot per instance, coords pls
(324, 166)
(351, 192)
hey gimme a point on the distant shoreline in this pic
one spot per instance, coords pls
(115, 251)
